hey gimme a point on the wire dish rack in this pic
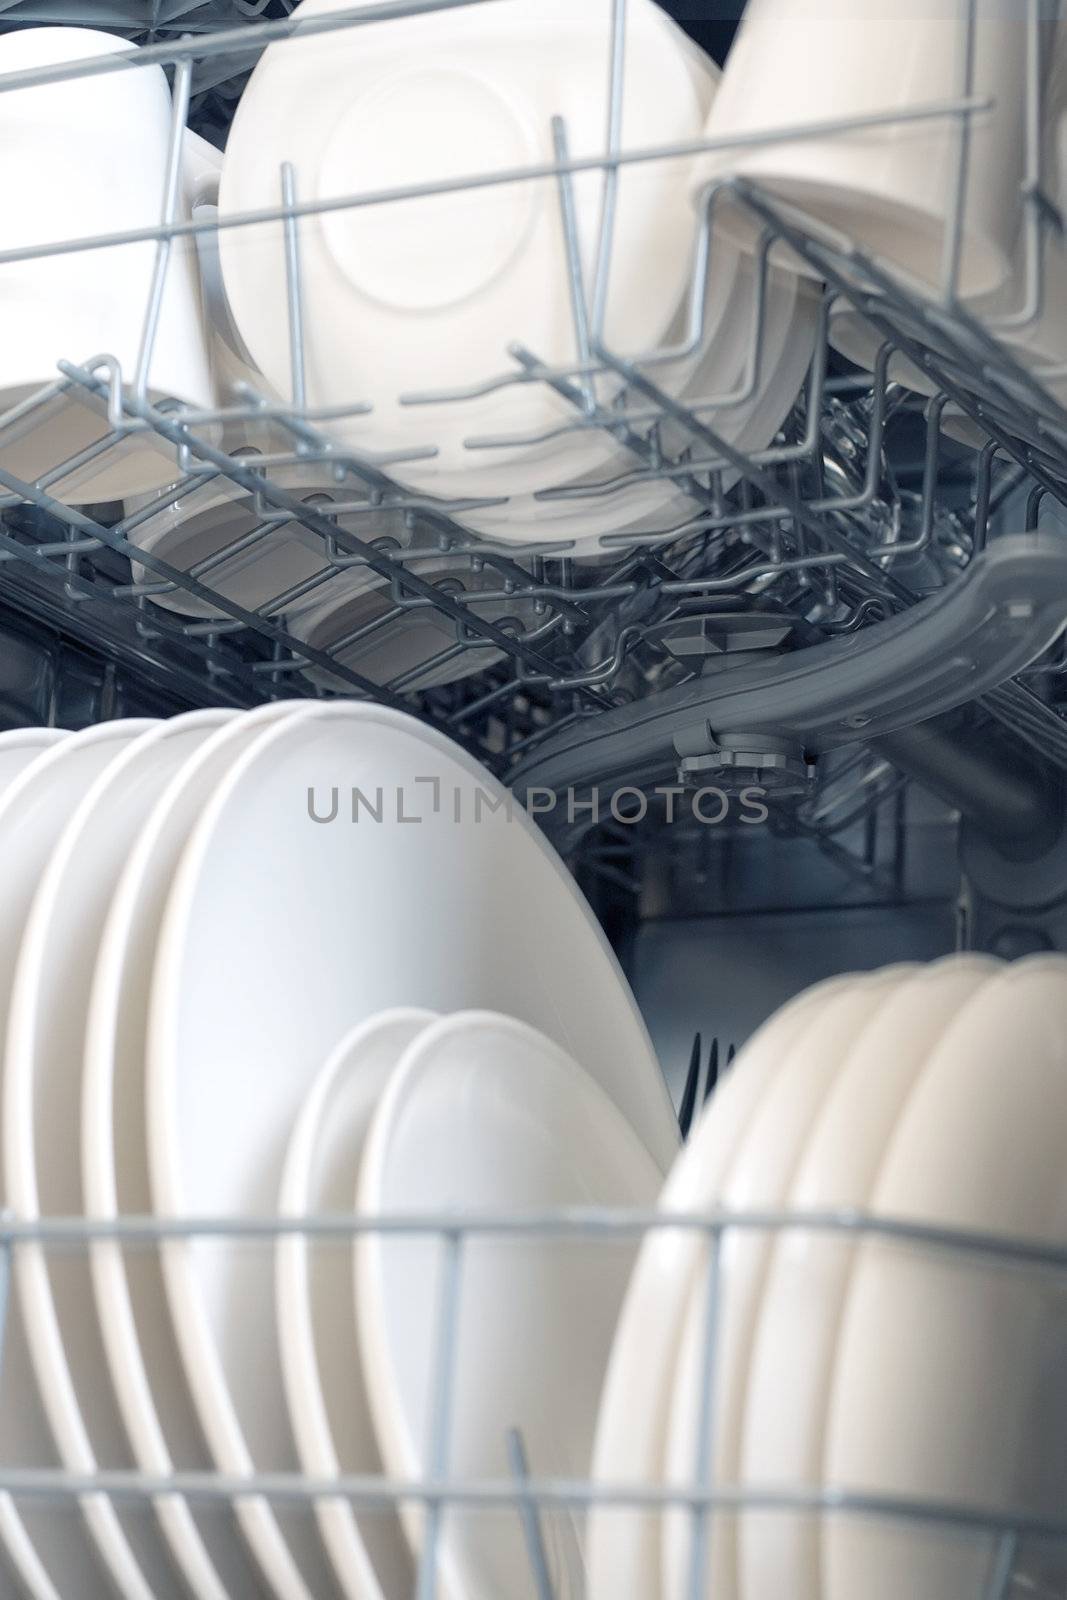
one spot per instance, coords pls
(1016, 1552)
(861, 507)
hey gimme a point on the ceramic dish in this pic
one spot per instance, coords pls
(483, 1116)
(412, 648)
(792, 1365)
(71, 171)
(758, 1178)
(376, 914)
(42, 1080)
(790, 316)
(887, 189)
(624, 1545)
(587, 513)
(325, 1386)
(192, 530)
(440, 97)
(20, 746)
(145, 1370)
(33, 811)
(966, 1404)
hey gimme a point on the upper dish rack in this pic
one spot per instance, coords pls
(860, 506)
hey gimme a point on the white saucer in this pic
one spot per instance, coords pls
(483, 1116)
(206, 519)
(325, 1385)
(20, 746)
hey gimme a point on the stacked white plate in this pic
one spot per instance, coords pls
(297, 960)
(793, 1361)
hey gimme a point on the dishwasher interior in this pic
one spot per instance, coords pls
(813, 720)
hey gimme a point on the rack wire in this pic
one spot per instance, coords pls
(1011, 1540)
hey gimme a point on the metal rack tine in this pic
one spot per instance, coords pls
(529, 1512)
(713, 1071)
(689, 1093)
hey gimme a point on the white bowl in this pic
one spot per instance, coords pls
(71, 169)
(429, 293)
(889, 188)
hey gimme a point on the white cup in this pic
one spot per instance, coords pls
(889, 189)
(81, 158)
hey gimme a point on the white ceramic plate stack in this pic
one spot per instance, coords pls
(133, 1082)
(869, 1366)
(381, 1023)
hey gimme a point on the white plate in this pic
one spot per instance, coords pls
(859, 341)
(624, 1545)
(791, 1370)
(42, 1081)
(790, 325)
(131, 1304)
(430, 293)
(794, 309)
(484, 1115)
(652, 506)
(20, 746)
(949, 1375)
(325, 1385)
(790, 321)
(413, 638)
(759, 1178)
(208, 518)
(259, 973)
(33, 811)
(633, 508)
